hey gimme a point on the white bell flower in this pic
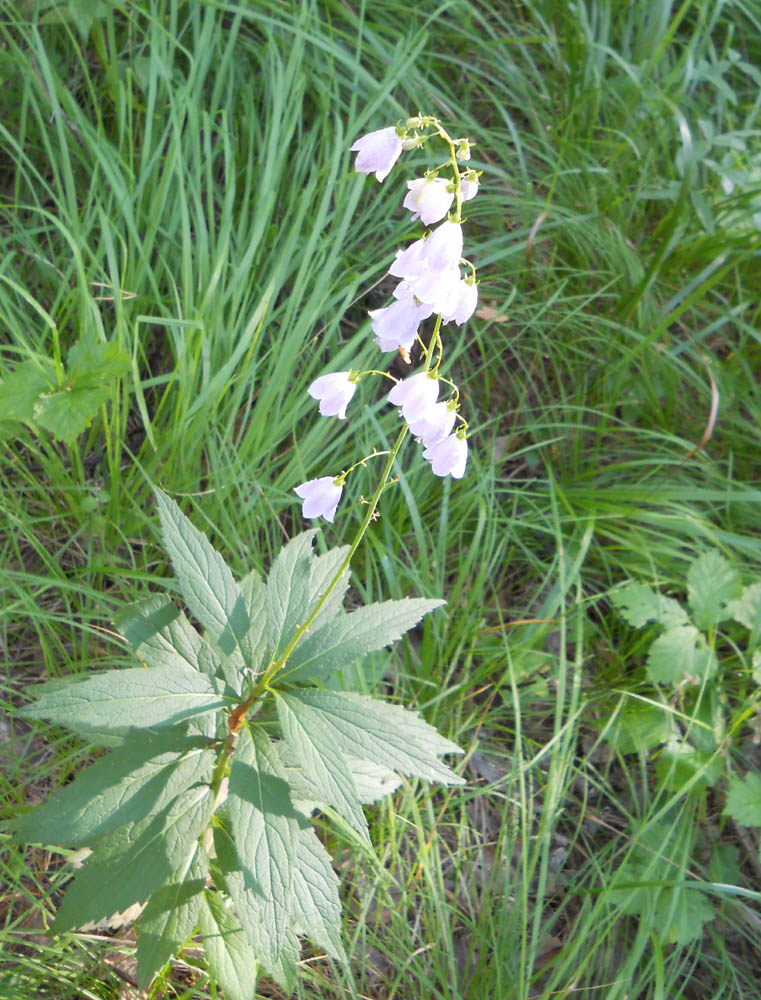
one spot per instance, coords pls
(463, 304)
(396, 325)
(443, 248)
(320, 497)
(433, 425)
(377, 152)
(437, 289)
(468, 188)
(429, 199)
(448, 457)
(334, 392)
(415, 395)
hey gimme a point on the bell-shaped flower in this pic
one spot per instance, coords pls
(433, 425)
(463, 303)
(396, 325)
(448, 457)
(377, 152)
(468, 188)
(443, 248)
(429, 199)
(437, 289)
(334, 392)
(320, 497)
(415, 395)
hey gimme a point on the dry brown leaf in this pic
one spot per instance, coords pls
(490, 313)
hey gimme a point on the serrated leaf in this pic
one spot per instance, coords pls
(288, 589)
(680, 653)
(744, 799)
(348, 637)
(265, 831)
(230, 959)
(638, 605)
(680, 915)
(21, 388)
(257, 641)
(324, 569)
(323, 765)
(136, 697)
(159, 633)
(69, 412)
(170, 917)
(112, 881)
(747, 608)
(122, 787)
(373, 781)
(367, 728)
(639, 728)
(679, 762)
(316, 906)
(90, 362)
(204, 578)
(712, 583)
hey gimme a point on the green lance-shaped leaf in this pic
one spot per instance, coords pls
(638, 605)
(257, 641)
(349, 637)
(136, 862)
(288, 590)
(170, 917)
(373, 730)
(159, 633)
(680, 653)
(265, 830)
(121, 787)
(119, 699)
(712, 584)
(324, 569)
(205, 580)
(744, 799)
(316, 906)
(323, 764)
(251, 909)
(229, 956)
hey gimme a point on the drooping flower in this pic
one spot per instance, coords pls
(448, 457)
(320, 497)
(415, 395)
(429, 199)
(433, 425)
(377, 152)
(396, 325)
(463, 303)
(334, 392)
(440, 252)
(468, 188)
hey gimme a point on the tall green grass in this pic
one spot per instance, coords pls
(176, 181)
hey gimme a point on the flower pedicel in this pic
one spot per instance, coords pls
(431, 282)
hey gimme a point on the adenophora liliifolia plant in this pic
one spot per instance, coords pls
(431, 284)
(223, 742)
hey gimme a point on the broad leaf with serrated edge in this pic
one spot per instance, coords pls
(323, 765)
(638, 605)
(114, 881)
(680, 653)
(747, 608)
(349, 637)
(20, 388)
(324, 569)
(288, 589)
(231, 961)
(256, 643)
(249, 908)
(159, 633)
(205, 580)
(371, 729)
(265, 829)
(712, 583)
(316, 906)
(121, 787)
(744, 799)
(170, 917)
(116, 699)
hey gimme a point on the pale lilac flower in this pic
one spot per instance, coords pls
(320, 497)
(377, 152)
(334, 392)
(397, 325)
(463, 305)
(433, 425)
(429, 199)
(438, 289)
(448, 456)
(407, 261)
(443, 248)
(468, 189)
(415, 395)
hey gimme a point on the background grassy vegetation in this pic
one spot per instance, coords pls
(175, 181)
